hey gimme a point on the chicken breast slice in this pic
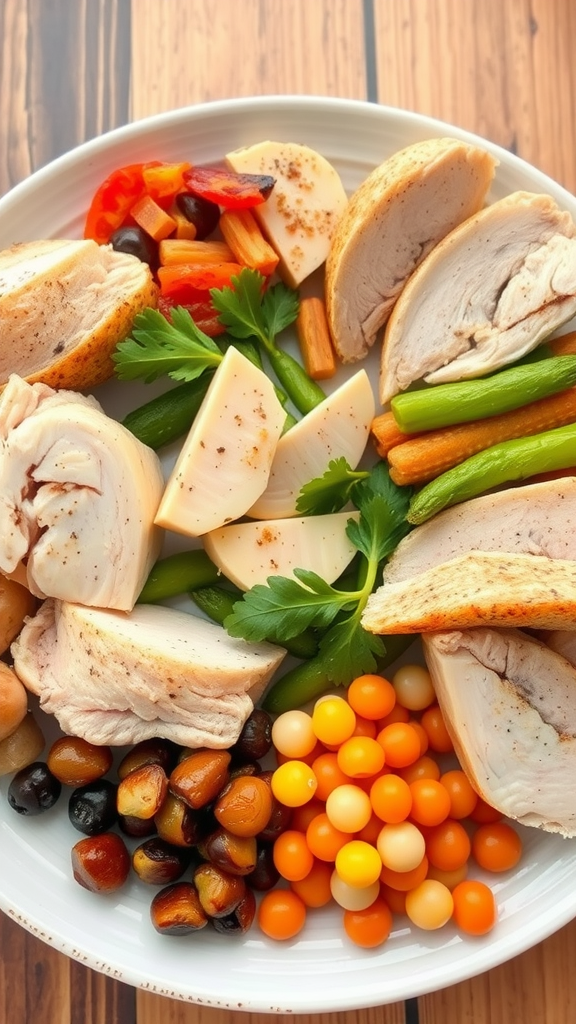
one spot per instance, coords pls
(118, 679)
(399, 213)
(78, 496)
(481, 588)
(509, 703)
(490, 292)
(536, 519)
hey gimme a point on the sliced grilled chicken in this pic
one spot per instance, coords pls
(115, 678)
(490, 292)
(399, 213)
(509, 703)
(78, 496)
(64, 305)
(481, 588)
(537, 519)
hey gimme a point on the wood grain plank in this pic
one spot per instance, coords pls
(152, 1009)
(504, 70)
(64, 78)
(535, 988)
(206, 52)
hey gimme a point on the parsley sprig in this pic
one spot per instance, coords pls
(283, 607)
(157, 348)
(330, 492)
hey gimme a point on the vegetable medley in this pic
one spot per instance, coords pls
(344, 785)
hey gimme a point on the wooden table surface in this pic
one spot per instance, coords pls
(72, 69)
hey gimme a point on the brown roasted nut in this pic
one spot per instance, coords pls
(199, 778)
(219, 892)
(137, 828)
(177, 823)
(255, 740)
(75, 762)
(244, 806)
(176, 910)
(240, 920)
(16, 602)
(279, 816)
(13, 701)
(21, 747)
(265, 874)
(142, 792)
(153, 751)
(158, 863)
(235, 854)
(101, 863)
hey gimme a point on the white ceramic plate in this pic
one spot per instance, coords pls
(319, 970)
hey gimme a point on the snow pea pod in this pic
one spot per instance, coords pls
(466, 401)
(502, 463)
(169, 416)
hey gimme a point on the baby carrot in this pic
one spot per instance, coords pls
(503, 463)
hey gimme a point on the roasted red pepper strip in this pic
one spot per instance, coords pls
(113, 199)
(163, 181)
(201, 310)
(197, 275)
(227, 188)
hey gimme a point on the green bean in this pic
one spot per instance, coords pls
(502, 463)
(217, 603)
(167, 417)
(446, 404)
(304, 392)
(178, 574)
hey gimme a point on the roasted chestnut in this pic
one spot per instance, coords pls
(177, 823)
(255, 740)
(153, 751)
(235, 854)
(219, 892)
(176, 910)
(244, 806)
(75, 762)
(157, 863)
(142, 792)
(101, 863)
(199, 777)
(240, 920)
(265, 875)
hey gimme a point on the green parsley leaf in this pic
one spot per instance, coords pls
(283, 608)
(157, 347)
(280, 308)
(331, 491)
(240, 307)
(347, 651)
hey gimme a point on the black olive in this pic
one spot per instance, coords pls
(92, 808)
(203, 214)
(135, 242)
(34, 789)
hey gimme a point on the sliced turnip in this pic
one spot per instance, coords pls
(338, 427)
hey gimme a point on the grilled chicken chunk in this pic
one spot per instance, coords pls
(115, 678)
(490, 292)
(64, 305)
(537, 519)
(78, 496)
(509, 703)
(481, 588)
(402, 210)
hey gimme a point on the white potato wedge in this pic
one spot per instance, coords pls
(300, 215)
(248, 553)
(337, 427)
(225, 461)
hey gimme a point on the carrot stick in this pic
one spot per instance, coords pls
(152, 218)
(423, 458)
(174, 251)
(386, 433)
(563, 346)
(242, 233)
(314, 338)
